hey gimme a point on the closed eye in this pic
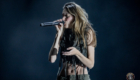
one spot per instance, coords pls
(67, 16)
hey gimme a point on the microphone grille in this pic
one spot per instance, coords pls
(41, 24)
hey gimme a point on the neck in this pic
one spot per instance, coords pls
(68, 31)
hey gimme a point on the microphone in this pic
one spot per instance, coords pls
(50, 23)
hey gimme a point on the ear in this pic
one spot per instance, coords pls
(73, 19)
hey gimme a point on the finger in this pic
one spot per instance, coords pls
(61, 20)
(66, 53)
(69, 48)
(61, 26)
(57, 27)
(58, 21)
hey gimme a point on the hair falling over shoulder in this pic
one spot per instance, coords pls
(81, 24)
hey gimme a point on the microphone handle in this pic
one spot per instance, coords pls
(50, 23)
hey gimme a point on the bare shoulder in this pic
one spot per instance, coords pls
(91, 37)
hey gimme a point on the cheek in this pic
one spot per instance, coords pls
(69, 19)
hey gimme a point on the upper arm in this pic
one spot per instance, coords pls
(91, 43)
(91, 38)
(91, 54)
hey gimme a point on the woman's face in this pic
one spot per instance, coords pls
(67, 18)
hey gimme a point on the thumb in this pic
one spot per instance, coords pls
(57, 27)
(61, 26)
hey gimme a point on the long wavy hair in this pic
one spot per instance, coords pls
(80, 22)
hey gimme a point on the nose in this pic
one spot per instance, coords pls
(64, 18)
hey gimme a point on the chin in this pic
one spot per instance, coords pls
(65, 27)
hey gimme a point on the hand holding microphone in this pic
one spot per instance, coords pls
(59, 27)
(57, 23)
(50, 23)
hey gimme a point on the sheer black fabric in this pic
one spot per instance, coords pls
(68, 40)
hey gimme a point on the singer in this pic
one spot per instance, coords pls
(77, 41)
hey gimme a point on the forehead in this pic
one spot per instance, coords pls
(64, 12)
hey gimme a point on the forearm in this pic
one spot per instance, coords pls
(57, 40)
(85, 60)
(54, 49)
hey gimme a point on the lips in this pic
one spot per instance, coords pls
(64, 24)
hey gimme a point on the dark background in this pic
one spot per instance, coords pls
(24, 45)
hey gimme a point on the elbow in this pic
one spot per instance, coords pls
(52, 60)
(91, 66)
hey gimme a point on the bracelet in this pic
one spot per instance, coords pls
(54, 51)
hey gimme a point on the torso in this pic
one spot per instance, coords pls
(71, 70)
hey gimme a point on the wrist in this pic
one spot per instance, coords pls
(78, 54)
(57, 35)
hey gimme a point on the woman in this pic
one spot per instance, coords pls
(77, 40)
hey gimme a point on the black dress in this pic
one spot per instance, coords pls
(69, 40)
